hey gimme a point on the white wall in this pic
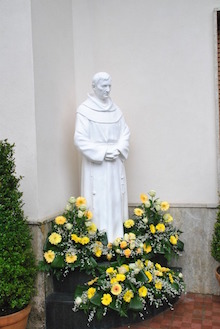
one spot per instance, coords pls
(17, 112)
(54, 104)
(161, 58)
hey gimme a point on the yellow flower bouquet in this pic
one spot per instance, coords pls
(73, 242)
(132, 288)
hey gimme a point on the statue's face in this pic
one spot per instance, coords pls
(102, 89)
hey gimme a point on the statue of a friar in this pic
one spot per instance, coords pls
(102, 136)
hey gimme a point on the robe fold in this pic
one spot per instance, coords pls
(103, 183)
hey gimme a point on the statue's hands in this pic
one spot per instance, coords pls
(111, 154)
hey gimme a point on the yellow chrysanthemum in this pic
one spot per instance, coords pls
(113, 280)
(70, 258)
(106, 299)
(91, 292)
(84, 240)
(60, 220)
(158, 266)
(164, 206)
(80, 201)
(168, 218)
(142, 291)
(152, 229)
(138, 212)
(110, 270)
(143, 198)
(75, 238)
(158, 285)
(149, 275)
(147, 248)
(127, 252)
(139, 264)
(129, 223)
(116, 289)
(49, 256)
(89, 214)
(128, 296)
(120, 277)
(55, 238)
(171, 278)
(160, 227)
(98, 253)
(158, 273)
(92, 229)
(173, 240)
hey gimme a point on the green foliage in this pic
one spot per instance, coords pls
(215, 244)
(17, 260)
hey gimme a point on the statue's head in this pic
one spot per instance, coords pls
(101, 85)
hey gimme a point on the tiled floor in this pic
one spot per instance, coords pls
(193, 311)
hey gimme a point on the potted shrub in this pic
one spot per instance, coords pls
(17, 260)
(215, 244)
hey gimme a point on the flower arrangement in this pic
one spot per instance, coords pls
(125, 288)
(151, 232)
(73, 242)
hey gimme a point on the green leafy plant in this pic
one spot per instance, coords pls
(17, 260)
(215, 243)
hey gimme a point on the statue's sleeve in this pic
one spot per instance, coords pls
(91, 150)
(123, 143)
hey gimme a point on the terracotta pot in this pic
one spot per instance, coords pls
(16, 320)
(217, 274)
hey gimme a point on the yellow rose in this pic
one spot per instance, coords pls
(80, 201)
(173, 240)
(55, 238)
(164, 206)
(127, 252)
(91, 292)
(129, 223)
(116, 289)
(60, 220)
(70, 258)
(106, 299)
(138, 212)
(147, 248)
(143, 198)
(152, 229)
(160, 227)
(88, 214)
(128, 296)
(49, 256)
(123, 244)
(149, 275)
(110, 270)
(142, 291)
(158, 285)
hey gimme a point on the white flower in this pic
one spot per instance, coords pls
(69, 226)
(145, 220)
(132, 245)
(141, 245)
(158, 201)
(132, 236)
(126, 237)
(78, 300)
(80, 214)
(83, 207)
(72, 199)
(147, 204)
(68, 207)
(136, 270)
(132, 266)
(117, 241)
(157, 207)
(180, 275)
(88, 224)
(118, 251)
(152, 193)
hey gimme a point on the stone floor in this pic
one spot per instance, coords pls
(193, 311)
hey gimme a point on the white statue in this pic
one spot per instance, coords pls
(102, 137)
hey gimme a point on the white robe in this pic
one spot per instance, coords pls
(103, 183)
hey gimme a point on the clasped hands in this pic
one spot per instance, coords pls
(111, 154)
